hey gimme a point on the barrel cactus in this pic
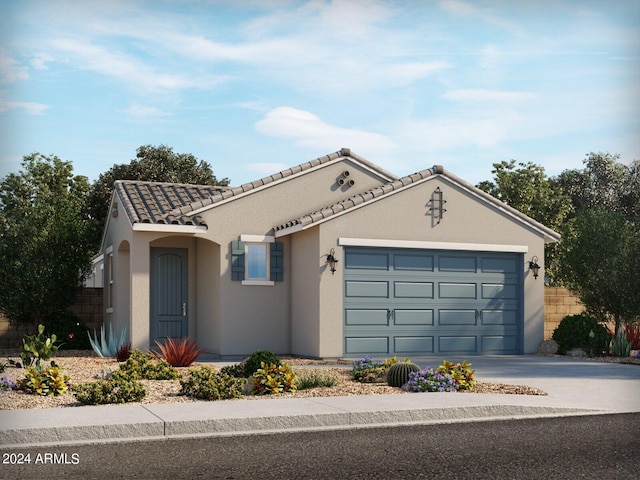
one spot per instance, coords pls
(398, 373)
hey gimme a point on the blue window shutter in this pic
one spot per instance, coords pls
(276, 251)
(237, 260)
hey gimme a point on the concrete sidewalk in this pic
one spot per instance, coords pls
(574, 387)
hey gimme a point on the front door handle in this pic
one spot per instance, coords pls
(184, 309)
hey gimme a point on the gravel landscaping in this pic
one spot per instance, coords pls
(85, 367)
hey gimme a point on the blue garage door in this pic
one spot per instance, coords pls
(431, 302)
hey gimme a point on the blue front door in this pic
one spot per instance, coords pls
(169, 294)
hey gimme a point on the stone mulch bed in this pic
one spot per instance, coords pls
(85, 367)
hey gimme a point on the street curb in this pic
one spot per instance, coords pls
(141, 422)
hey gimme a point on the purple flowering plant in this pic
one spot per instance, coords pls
(6, 384)
(367, 370)
(430, 380)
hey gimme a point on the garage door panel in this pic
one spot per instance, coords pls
(457, 317)
(402, 261)
(457, 290)
(457, 344)
(366, 289)
(499, 317)
(499, 343)
(412, 345)
(366, 345)
(457, 263)
(364, 317)
(432, 302)
(366, 260)
(413, 317)
(413, 289)
(500, 290)
(498, 265)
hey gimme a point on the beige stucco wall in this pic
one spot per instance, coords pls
(226, 317)
(404, 216)
(303, 314)
(256, 317)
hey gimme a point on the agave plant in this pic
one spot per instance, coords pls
(179, 353)
(107, 346)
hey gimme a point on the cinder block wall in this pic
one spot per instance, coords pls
(88, 307)
(558, 303)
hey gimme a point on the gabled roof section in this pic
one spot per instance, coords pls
(248, 188)
(353, 202)
(362, 199)
(155, 203)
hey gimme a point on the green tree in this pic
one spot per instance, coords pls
(603, 182)
(600, 256)
(44, 243)
(527, 188)
(154, 164)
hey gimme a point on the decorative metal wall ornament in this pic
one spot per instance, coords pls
(436, 206)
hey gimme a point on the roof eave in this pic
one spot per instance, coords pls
(164, 228)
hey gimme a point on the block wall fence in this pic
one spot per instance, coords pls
(88, 307)
(558, 303)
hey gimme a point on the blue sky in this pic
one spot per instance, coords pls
(253, 87)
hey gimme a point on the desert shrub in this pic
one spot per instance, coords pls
(48, 381)
(179, 353)
(146, 366)
(272, 378)
(581, 331)
(315, 379)
(620, 345)
(398, 373)
(254, 362)
(115, 390)
(38, 348)
(236, 370)
(461, 374)
(633, 334)
(124, 352)
(430, 380)
(71, 331)
(206, 384)
(107, 344)
(367, 370)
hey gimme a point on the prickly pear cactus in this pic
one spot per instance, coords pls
(398, 373)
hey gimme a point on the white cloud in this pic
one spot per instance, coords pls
(40, 60)
(466, 9)
(10, 69)
(137, 110)
(30, 108)
(128, 69)
(309, 131)
(484, 95)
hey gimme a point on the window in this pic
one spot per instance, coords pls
(256, 260)
(108, 280)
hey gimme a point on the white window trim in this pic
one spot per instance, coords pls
(260, 239)
(478, 247)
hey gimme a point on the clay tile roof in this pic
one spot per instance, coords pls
(157, 203)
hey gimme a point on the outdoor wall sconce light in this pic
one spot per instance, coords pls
(331, 261)
(534, 267)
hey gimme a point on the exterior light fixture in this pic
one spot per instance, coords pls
(534, 267)
(331, 261)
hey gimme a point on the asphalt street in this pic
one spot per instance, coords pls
(598, 447)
